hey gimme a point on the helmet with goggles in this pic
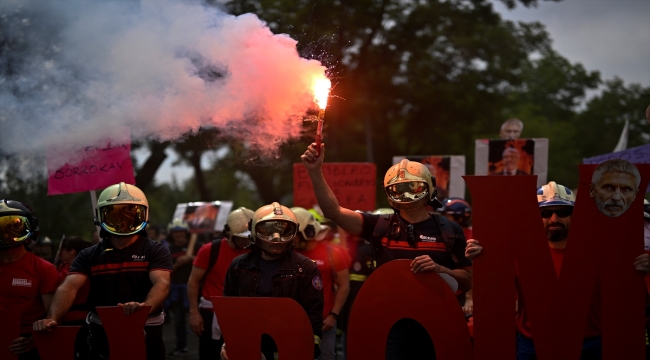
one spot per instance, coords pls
(122, 209)
(18, 224)
(309, 227)
(409, 185)
(273, 228)
(553, 194)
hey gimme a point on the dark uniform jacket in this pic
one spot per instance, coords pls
(297, 278)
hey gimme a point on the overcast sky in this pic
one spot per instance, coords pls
(611, 36)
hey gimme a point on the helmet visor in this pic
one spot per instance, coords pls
(266, 230)
(123, 219)
(407, 191)
(13, 229)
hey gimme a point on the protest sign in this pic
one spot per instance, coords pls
(353, 184)
(95, 167)
(448, 171)
(512, 157)
(202, 216)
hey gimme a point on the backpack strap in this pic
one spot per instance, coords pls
(449, 236)
(330, 258)
(382, 229)
(214, 255)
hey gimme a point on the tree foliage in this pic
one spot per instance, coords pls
(411, 78)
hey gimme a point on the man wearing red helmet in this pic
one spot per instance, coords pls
(431, 241)
(27, 282)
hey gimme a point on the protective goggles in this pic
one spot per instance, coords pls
(407, 191)
(123, 219)
(563, 212)
(14, 229)
(266, 230)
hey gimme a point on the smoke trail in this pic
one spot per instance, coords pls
(74, 72)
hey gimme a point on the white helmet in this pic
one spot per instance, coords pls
(553, 194)
(273, 228)
(309, 227)
(122, 209)
(409, 185)
(178, 224)
(237, 222)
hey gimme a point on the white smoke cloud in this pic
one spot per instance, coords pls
(72, 73)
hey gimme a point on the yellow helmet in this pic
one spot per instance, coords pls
(122, 209)
(409, 185)
(273, 228)
(237, 223)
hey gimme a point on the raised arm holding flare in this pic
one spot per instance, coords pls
(432, 242)
(410, 188)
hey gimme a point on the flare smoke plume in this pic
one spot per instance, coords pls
(75, 72)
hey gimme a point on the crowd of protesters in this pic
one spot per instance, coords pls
(135, 265)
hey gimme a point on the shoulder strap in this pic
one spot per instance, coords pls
(447, 229)
(330, 258)
(214, 255)
(382, 228)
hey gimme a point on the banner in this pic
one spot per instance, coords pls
(512, 157)
(98, 166)
(202, 217)
(635, 155)
(448, 170)
(353, 184)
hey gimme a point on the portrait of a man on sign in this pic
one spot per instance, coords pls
(511, 157)
(201, 217)
(614, 186)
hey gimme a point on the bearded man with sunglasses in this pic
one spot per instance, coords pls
(125, 269)
(273, 269)
(556, 204)
(431, 241)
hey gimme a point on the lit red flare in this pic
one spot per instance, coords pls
(321, 88)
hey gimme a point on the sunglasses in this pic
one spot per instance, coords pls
(564, 212)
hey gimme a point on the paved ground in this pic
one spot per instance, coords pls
(170, 342)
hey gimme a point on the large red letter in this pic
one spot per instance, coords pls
(125, 329)
(58, 344)
(9, 331)
(424, 297)
(244, 320)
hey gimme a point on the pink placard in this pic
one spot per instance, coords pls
(94, 167)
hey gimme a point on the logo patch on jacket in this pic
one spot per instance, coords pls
(317, 282)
